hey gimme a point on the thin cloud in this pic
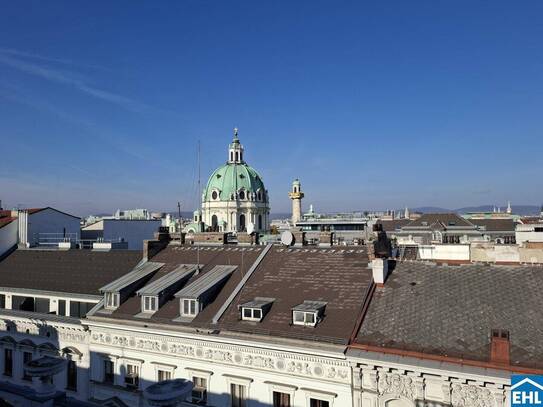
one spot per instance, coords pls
(30, 55)
(69, 79)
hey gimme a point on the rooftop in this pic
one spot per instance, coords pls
(338, 277)
(71, 271)
(451, 310)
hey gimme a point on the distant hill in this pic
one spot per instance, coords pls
(517, 209)
(428, 209)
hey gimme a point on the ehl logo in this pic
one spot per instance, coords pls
(526, 391)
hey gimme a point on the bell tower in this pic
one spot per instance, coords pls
(296, 195)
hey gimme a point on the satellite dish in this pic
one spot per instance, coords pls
(287, 238)
(250, 228)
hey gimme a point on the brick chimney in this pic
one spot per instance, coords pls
(500, 347)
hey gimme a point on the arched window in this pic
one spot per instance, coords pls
(214, 223)
(231, 156)
(259, 222)
(237, 156)
(214, 195)
(241, 227)
(242, 194)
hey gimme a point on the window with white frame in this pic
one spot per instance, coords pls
(164, 375)
(132, 376)
(238, 395)
(304, 318)
(318, 403)
(251, 314)
(112, 300)
(281, 399)
(189, 307)
(199, 390)
(150, 303)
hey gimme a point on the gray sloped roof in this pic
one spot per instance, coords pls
(451, 310)
(136, 274)
(70, 271)
(184, 271)
(206, 282)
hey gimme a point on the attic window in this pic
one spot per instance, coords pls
(252, 314)
(309, 313)
(256, 309)
(189, 308)
(112, 300)
(150, 303)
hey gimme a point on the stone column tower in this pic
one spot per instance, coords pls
(296, 195)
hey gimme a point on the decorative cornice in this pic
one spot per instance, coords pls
(315, 367)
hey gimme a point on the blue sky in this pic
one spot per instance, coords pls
(371, 104)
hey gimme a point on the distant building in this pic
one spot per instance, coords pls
(130, 232)
(530, 229)
(450, 228)
(36, 227)
(346, 227)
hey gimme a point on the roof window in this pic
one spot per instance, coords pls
(256, 309)
(309, 313)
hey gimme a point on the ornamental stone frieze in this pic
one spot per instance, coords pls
(465, 395)
(399, 385)
(44, 329)
(235, 355)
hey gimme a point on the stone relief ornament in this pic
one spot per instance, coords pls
(276, 361)
(471, 396)
(397, 385)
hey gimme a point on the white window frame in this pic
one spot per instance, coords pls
(252, 317)
(319, 395)
(203, 374)
(111, 300)
(135, 363)
(196, 307)
(281, 388)
(242, 381)
(165, 368)
(305, 318)
(153, 300)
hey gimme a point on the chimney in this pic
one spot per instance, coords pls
(500, 347)
(379, 270)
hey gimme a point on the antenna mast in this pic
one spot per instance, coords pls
(199, 197)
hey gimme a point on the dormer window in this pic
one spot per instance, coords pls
(256, 309)
(189, 308)
(305, 318)
(150, 303)
(252, 314)
(309, 313)
(194, 297)
(112, 300)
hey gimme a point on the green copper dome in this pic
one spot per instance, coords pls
(235, 180)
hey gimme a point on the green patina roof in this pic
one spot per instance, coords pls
(232, 177)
